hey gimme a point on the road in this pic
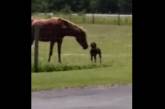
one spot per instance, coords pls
(119, 97)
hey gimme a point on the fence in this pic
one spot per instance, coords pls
(36, 49)
(115, 19)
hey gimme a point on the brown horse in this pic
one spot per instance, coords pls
(54, 29)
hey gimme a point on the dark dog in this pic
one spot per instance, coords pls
(94, 52)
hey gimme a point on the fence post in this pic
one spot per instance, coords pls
(93, 18)
(36, 36)
(119, 19)
(119, 23)
(83, 18)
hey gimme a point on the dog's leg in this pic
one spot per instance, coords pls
(91, 58)
(100, 57)
(95, 58)
(91, 55)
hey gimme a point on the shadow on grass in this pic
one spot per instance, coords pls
(65, 67)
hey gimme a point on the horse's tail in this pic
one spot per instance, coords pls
(32, 35)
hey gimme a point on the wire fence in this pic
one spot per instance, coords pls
(114, 19)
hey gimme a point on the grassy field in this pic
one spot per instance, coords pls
(116, 44)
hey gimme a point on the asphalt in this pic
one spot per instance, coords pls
(118, 97)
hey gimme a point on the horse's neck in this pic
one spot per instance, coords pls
(71, 34)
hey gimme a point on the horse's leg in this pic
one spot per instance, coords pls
(51, 50)
(59, 43)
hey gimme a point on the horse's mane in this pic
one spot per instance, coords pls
(60, 19)
(69, 22)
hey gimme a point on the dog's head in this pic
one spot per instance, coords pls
(93, 45)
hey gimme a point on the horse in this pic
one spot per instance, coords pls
(53, 30)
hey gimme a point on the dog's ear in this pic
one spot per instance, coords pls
(94, 44)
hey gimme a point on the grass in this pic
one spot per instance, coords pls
(77, 70)
(81, 78)
(65, 67)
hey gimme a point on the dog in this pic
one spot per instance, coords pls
(94, 51)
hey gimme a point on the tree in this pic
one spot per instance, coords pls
(101, 6)
(66, 9)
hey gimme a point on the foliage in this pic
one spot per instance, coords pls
(101, 6)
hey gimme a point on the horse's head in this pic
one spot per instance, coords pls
(71, 29)
(81, 39)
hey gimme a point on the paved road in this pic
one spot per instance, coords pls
(119, 97)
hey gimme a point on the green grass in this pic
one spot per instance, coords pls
(77, 70)
(81, 78)
(65, 67)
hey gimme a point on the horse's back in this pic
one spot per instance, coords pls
(39, 22)
(49, 28)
